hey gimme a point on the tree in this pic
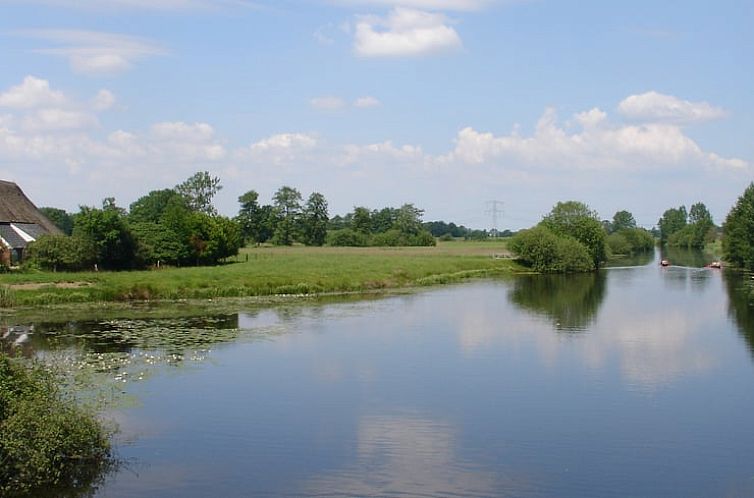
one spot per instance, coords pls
(199, 190)
(738, 231)
(696, 232)
(108, 231)
(61, 252)
(577, 220)
(621, 221)
(408, 220)
(150, 208)
(60, 219)
(362, 220)
(256, 222)
(315, 220)
(672, 221)
(384, 219)
(287, 202)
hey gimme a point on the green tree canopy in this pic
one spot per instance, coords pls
(673, 220)
(150, 208)
(315, 219)
(575, 219)
(60, 218)
(622, 220)
(109, 233)
(738, 231)
(287, 203)
(199, 190)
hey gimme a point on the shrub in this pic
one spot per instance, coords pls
(61, 252)
(546, 252)
(346, 237)
(46, 440)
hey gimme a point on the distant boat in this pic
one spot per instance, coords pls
(664, 262)
(716, 264)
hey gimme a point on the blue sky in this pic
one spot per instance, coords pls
(636, 105)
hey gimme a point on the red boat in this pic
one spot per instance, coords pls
(664, 262)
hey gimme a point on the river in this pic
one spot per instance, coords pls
(634, 381)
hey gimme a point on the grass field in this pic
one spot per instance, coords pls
(267, 271)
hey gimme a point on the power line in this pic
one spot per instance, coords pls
(494, 208)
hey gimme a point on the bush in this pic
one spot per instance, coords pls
(61, 252)
(46, 440)
(346, 237)
(546, 252)
(630, 241)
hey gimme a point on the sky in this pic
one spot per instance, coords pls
(446, 104)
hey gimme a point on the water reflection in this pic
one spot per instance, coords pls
(409, 455)
(692, 258)
(571, 302)
(741, 304)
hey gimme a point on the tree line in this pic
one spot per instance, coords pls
(180, 226)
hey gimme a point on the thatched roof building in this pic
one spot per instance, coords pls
(20, 222)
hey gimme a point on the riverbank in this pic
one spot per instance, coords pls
(267, 271)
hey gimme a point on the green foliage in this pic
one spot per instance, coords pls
(199, 190)
(7, 297)
(409, 219)
(347, 237)
(159, 243)
(630, 241)
(151, 207)
(575, 219)
(315, 219)
(257, 222)
(287, 202)
(107, 231)
(361, 220)
(697, 232)
(547, 252)
(622, 220)
(738, 231)
(672, 221)
(61, 253)
(46, 440)
(61, 219)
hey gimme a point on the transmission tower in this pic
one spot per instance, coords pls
(494, 208)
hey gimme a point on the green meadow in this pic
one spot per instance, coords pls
(268, 271)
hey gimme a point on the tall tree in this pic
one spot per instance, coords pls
(108, 231)
(199, 190)
(315, 220)
(287, 203)
(255, 220)
(622, 220)
(738, 231)
(149, 208)
(409, 219)
(672, 221)
(362, 220)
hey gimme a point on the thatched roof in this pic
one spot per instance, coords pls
(15, 207)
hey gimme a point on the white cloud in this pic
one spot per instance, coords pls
(653, 106)
(327, 103)
(366, 102)
(284, 141)
(598, 146)
(32, 92)
(103, 101)
(94, 52)
(404, 33)
(54, 119)
(189, 142)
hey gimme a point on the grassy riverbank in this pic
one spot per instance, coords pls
(267, 271)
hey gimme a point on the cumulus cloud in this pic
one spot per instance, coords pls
(94, 52)
(603, 147)
(54, 119)
(327, 103)
(404, 32)
(103, 101)
(654, 106)
(31, 92)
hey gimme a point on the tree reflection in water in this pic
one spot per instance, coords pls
(570, 301)
(741, 304)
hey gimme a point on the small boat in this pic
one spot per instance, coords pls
(664, 262)
(716, 264)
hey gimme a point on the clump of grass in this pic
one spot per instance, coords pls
(46, 439)
(7, 297)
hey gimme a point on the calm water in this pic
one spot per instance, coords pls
(637, 381)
